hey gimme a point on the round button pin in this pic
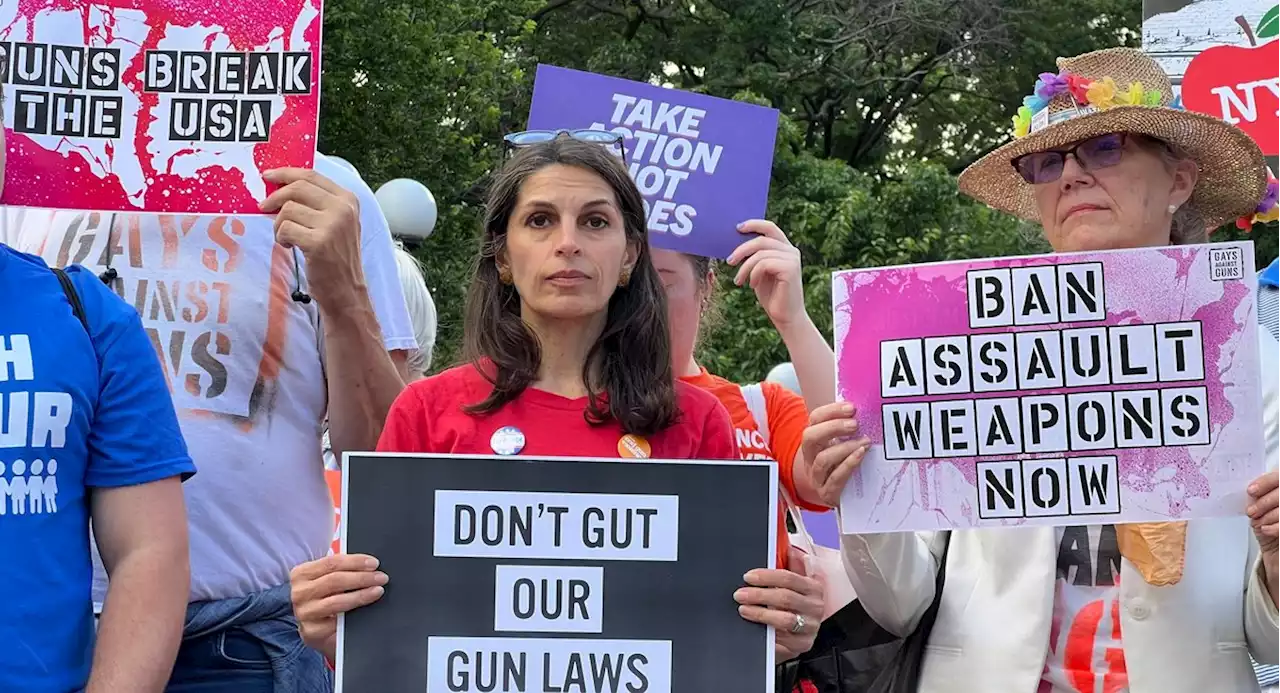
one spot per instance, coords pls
(634, 446)
(507, 440)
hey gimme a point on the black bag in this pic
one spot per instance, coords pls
(853, 654)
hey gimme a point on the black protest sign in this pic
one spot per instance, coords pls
(557, 575)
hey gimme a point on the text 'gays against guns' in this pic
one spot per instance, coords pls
(1035, 390)
(185, 308)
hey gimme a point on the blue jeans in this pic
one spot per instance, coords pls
(228, 660)
(247, 644)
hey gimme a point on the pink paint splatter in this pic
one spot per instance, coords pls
(1168, 285)
(36, 176)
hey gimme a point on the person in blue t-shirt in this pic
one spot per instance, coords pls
(87, 431)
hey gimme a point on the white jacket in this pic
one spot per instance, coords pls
(992, 632)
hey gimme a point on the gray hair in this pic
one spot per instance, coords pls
(422, 311)
(1188, 226)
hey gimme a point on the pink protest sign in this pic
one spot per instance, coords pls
(173, 106)
(1086, 388)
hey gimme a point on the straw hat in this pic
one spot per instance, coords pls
(1121, 90)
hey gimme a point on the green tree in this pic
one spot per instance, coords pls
(425, 90)
(882, 103)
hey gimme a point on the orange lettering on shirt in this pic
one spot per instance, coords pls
(219, 235)
(173, 231)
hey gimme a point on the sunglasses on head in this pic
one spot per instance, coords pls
(1092, 154)
(528, 138)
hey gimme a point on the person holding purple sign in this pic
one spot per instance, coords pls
(768, 420)
(1102, 158)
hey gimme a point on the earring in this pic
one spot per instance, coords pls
(504, 275)
(1173, 209)
(625, 277)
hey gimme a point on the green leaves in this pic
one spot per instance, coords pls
(1269, 25)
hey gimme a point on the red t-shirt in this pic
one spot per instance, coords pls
(428, 417)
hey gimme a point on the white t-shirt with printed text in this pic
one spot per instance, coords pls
(244, 367)
(1085, 653)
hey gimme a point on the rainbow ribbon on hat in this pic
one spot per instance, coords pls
(1099, 93)
(1267, 209)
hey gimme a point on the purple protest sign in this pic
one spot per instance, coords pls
(702, 163)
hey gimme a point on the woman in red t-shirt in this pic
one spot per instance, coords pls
(566, 334)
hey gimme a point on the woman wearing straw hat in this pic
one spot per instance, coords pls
(1101, 160)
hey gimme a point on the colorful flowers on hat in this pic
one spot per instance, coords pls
(1100, 94)
(1079, 88)
(1268, 210)
(1022, 122)
(1050, 85)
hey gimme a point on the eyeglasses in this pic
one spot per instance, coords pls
(1092, 154)
(528, 138)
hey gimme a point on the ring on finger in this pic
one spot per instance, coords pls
(798, 625)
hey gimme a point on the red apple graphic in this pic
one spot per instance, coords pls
(1239, 85)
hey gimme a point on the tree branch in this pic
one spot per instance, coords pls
(549, 8)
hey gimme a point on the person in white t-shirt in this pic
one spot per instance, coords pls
(262, 324)
(422, 313)
(1160, 607)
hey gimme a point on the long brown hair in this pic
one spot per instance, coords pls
(630, 363)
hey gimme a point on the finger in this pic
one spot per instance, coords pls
(303, 192)
(312, 570)
(828, 432)
(290, 233)
(1267, 524)
(339, 604)
(337, 583)
(296, 211)
(826, 461)
(833, 487)
(753, 246)
(773, 264)
(1261, 506)
(784, 579)
(782, 621)
(1264, 484)
(287, 176)
(829, 412)
(784, 600)
(764, 227)
(745, 270)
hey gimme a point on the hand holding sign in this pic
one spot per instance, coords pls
(771, 266)
(324, 588)
(322, 219)
(784, 599)
(1264, 509)
(831, 451)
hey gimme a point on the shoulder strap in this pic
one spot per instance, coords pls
(69, 289)
(753, 395)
